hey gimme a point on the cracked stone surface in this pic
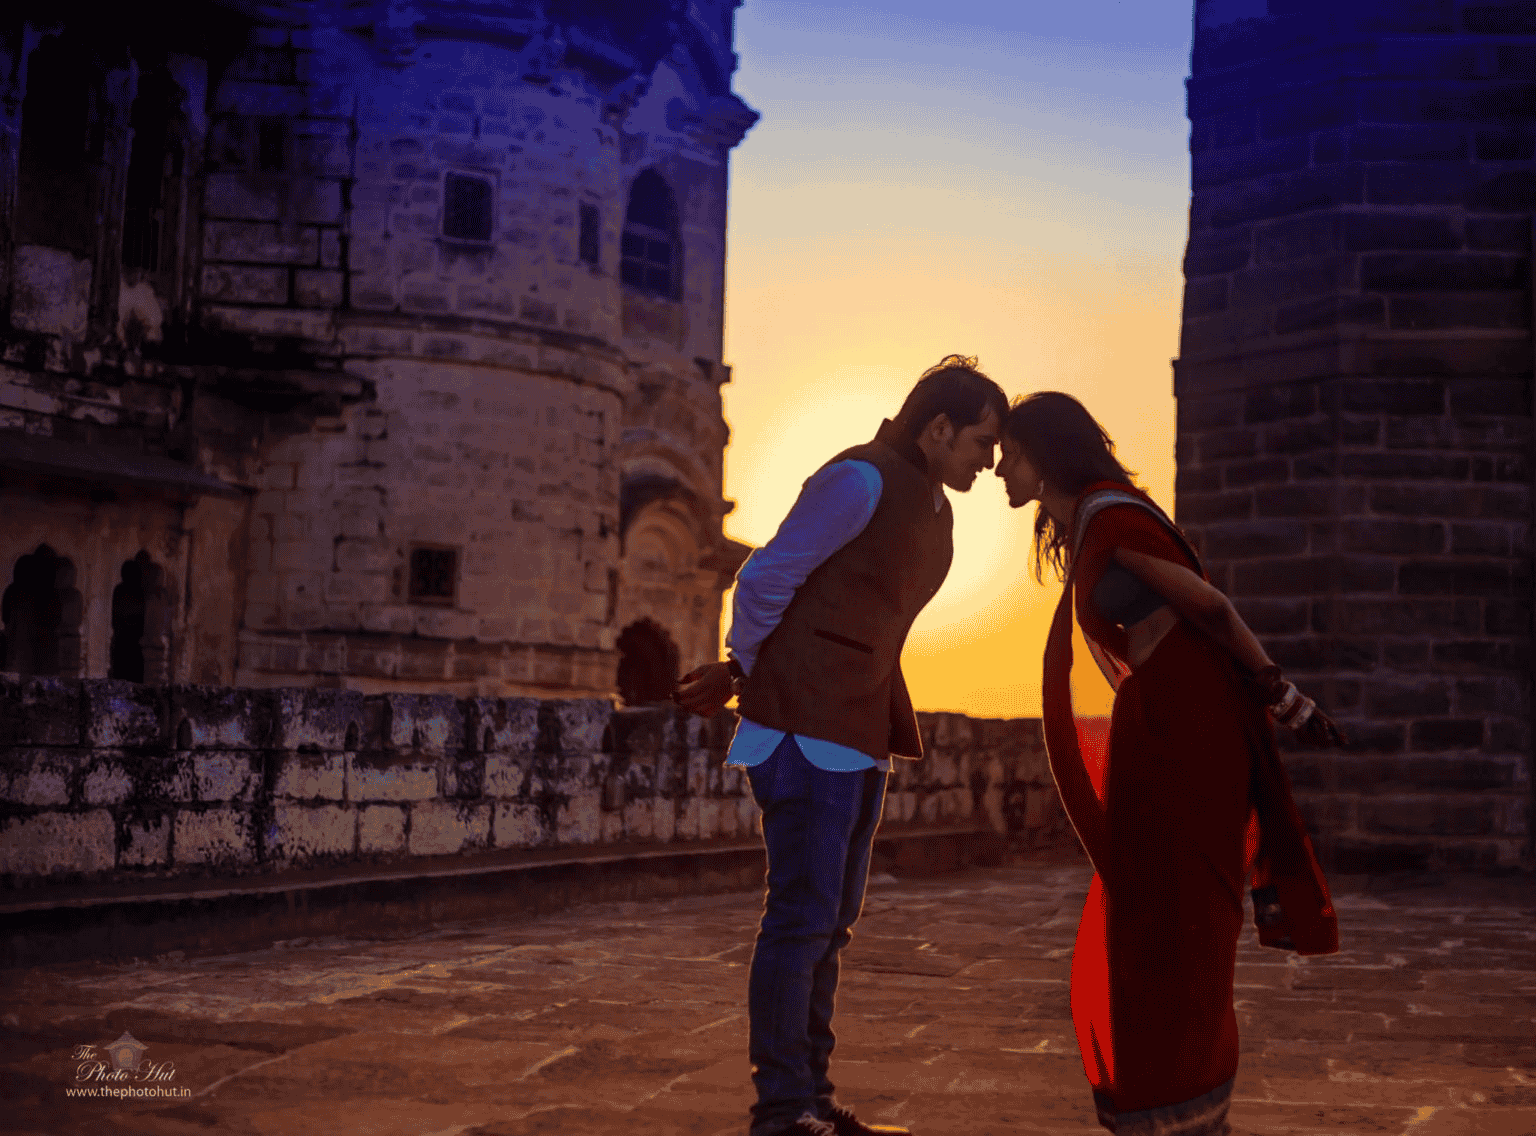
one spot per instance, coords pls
(624, 1018)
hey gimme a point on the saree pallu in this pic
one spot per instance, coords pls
(1195, 803)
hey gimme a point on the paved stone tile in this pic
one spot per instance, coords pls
(625, 1018)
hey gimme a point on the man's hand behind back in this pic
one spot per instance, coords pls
(704, 691)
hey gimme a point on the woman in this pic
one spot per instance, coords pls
(1194, 799)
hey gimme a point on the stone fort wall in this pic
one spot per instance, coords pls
(1354, 398)
(113, 782)
(404, 354)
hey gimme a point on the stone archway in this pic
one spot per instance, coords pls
(40, 611)
(647, 663)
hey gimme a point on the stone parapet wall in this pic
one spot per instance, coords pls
(111, 782)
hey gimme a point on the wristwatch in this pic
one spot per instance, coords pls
(738, 676)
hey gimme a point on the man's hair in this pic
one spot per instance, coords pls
(1070, 450)
(954, 387)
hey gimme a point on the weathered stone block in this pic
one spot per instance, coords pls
(1479, 310)
(1204, 507)
(377, 777)
(245, 285)
(1362, 535)
(574, 726)
(213, 836)
(1238, 539)
(441, 827)
(319, 200)
(40, 711)
(579, 821)
(1421, 501)
(686, 825)
(53, 843)
(380, 828)
(664, 817)
(312, 776)
(1490, 396)
(1280, 195)
(145, 844)
(52, 291)
(107, 783)
(504, 775)
(431, 723)
(1441, 272)
(264, 243)
(119, 714)
(518, 826)
(304, 832)
(1277, 154)
(1439, 815)
(36, 777)
(1263, 471)
(1455, 577)
(224, 776)
(317, 289)
(219, 717)
(1410, 143)
(1435, 734)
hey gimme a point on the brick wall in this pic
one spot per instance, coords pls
(110, 781)
(1354, 446)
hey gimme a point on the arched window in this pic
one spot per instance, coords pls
(154, 161)
(140, 623)
(40, 612)
(650, 253)
(647, 663)
(54, 176)
(125, 656)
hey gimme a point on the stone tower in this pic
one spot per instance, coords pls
(1355, 401)
(384, 338)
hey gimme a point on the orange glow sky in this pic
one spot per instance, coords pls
(1004, 185)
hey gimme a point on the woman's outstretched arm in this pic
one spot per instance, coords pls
(1199, 602)
(1209, 609)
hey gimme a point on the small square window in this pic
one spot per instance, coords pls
(466, 207)
(589, 243)
(646, 262)
(434, 574)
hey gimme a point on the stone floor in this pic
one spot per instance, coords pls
(629, 1018)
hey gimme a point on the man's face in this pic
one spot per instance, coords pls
(969, 452)
(1019, 476)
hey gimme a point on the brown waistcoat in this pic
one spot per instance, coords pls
(831, 669)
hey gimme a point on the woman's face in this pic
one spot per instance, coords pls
(1018, 473)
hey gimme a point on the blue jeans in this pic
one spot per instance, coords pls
(818, 827)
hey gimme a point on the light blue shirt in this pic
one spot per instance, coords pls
(834, 505)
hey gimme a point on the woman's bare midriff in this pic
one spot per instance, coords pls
(1142, 638)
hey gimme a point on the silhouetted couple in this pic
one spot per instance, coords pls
(1194, 801)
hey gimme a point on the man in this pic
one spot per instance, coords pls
(814, 652)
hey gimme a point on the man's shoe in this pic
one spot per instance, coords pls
(808, 1125)
(844, 1123)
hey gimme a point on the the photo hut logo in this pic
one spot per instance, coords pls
(119, 1070)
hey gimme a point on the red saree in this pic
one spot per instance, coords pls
(1195, 802)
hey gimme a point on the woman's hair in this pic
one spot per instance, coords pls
(952, 386)
(1071, 451)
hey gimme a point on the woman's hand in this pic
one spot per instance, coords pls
(1294, 710)
(1321, 730)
